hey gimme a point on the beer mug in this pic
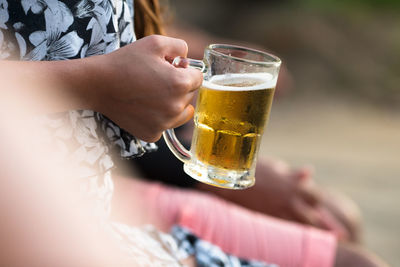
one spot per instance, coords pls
(232, 110)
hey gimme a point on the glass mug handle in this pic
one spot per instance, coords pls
(169, 135)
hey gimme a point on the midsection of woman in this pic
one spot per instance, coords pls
(53, 30)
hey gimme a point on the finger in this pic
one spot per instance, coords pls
(345, 211)
(303, 189)
(189, 97)
(307, 215)
(333, 224)
(194, 76)
(307, 190)
(178, 62)
(310, 194)
(304, 173)
(184, 117)
(173, 47)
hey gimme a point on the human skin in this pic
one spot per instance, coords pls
(135, 86)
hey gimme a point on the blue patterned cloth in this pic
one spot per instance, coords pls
(207, 254)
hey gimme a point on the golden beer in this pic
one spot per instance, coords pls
(230, 117)
(231, 113)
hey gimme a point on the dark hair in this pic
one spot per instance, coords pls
(148, 19)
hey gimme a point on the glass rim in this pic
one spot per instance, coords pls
(275, 61)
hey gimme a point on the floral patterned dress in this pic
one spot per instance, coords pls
(62, 30)
(49, 30)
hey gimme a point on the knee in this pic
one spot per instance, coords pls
(352, 255)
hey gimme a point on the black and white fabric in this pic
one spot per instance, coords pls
(207, 254)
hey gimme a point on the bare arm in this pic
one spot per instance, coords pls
(136, 86)
(50, 86)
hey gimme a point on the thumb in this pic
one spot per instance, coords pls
(304, 173)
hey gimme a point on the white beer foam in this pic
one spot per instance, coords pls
(264, 80)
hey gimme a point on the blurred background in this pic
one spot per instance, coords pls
(341, 112)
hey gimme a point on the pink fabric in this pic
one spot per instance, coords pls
(242, 232)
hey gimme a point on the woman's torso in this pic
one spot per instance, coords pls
(51, 30)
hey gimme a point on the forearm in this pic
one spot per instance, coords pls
(49, 86)
(135, 86)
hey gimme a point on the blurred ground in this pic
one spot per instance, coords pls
(355, 149)
(343, 112)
